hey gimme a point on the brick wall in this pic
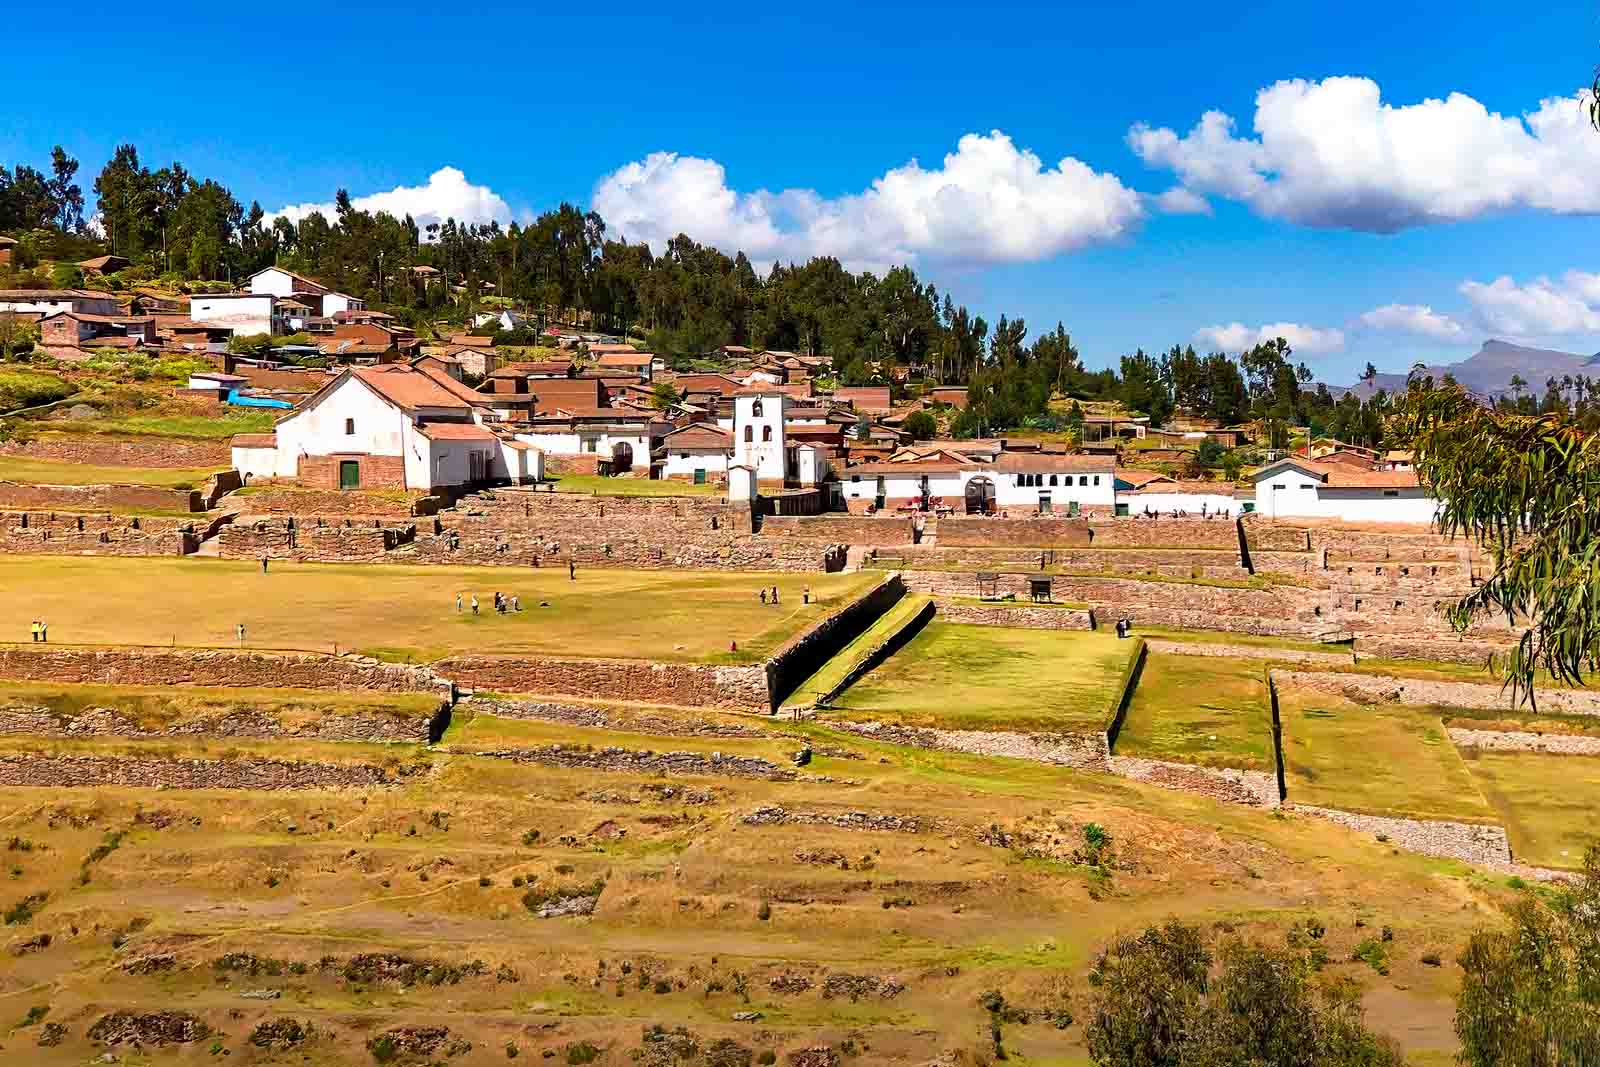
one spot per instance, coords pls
(1221, 534)
(377, 472)
(582, 463)
(97, 497)
(103, 450)
(212, 667)
(739, 688)
(803, 655)
(241, 721)
(66, 772)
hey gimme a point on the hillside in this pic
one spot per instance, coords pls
(1490, 369)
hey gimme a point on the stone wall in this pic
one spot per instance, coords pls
(375, 472)
(1273, 612)
(108, 450)
(1020, 615)
(66, 772)
(1520, 741)
(1012, 533)
(245, 721)
(606, 717)
(1484, 845)
(220, 668)
(1083, 751)
(321, 540)
(1138, 532)
(579, 463)
(580, 757)
(1170, 562)
(1440, 648)
(802, 655)
(92, 534)
(1375, 689)
(739, 688)
(310, 504)
(1253, 788)
(1264, 652)
(97, 497)
(835, 528)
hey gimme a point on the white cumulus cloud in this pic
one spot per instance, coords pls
(1334, 154)
(988, 202)
(1181, 201)
(1419, 320)
(447, 195)
(1545, 307)
(1237, 337)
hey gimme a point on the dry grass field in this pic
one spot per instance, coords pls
(1546, 802)
(340, 926)
(409, 612)
(1206, 710)
(53, 472)
(959, 677)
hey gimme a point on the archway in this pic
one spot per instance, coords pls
(621, 458)
(980, 496)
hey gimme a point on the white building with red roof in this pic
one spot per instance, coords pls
(1299, 488)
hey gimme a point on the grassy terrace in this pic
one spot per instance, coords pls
(158, 707)
(1546, 802)
(832, 673)
(1381, 760)
(1223, 637)
(1204, 710)
(890, 561)
(51, 472)
(232, 421)
(990, 678)
(408, 613)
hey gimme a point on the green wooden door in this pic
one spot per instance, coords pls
(349, 474)
(699, 476)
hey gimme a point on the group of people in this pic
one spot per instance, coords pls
(772, 597)
(1124, 627)
(502, 603)
(1183, 513)
(41, 630)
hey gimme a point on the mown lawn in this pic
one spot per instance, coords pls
(952, 676)
(52, 472)
(408, 613)
(1205, 710)
(1547, 803)
(1380, 760)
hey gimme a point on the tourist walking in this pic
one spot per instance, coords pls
(34, 629)
(474, 603)
(263, 564)
(241, 635)
(458, 603)
(44, 631)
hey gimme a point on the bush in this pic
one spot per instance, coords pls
(582, 1052)
(767, 1058)
(764, 912)
(1372, 953)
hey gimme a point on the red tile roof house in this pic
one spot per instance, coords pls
(389, 427)
(72, 328)
(865, 399)
(698, 453)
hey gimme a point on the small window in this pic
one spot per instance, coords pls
(1277, 487)
(1083, 479)
(855, 477)
(1052, 479)
(1391, 492)
(1096, 479)
(766, 433)
(349, 427)
(755, 409)
(749, 434)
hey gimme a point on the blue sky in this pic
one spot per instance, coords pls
(671, 119)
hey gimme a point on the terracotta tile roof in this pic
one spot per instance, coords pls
(456, 431)
(1045, 461)
(52, 294)
(1343, 476)
(1140, 478)
(454, 388)
(625, 359)
(699, 435)
(408, 388)
(110, 320)
(865, 397)
(254, 440)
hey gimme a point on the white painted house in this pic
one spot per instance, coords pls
(699, 453)
(275, 281)
(1165, 495)
(1305, 489)
(1021, 482)
(243, 313)
(622, 438)
(389, 427)
(47, 302)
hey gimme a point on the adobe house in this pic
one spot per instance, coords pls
(8, 247)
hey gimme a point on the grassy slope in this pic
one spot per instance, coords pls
(993, 678)
(1547, 803)
(50, 472)
(162, 705)
(235, 420)
(1205, 710)
(409, 612)
(1384, 760)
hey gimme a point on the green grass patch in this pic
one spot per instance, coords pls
(409, 612)
(1205, 710)
(157, 707)
(26, 389)
(52, 472)
(1546, 802)
(598, 485)
(993, 678)
(833, 673)
(1380, 760)
(236, 420)
(1223, 637)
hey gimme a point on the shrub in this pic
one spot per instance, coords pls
(767, 1058)
(1373, 955)
(582, 1052)
(764, 912)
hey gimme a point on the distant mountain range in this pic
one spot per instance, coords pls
(1488, 372)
